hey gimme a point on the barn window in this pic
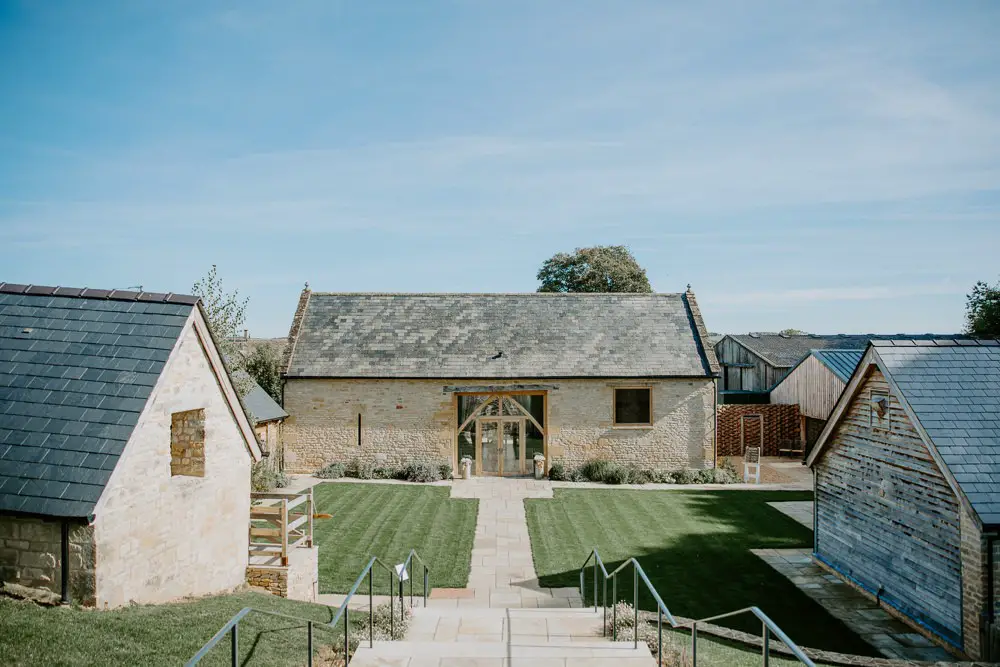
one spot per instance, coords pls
(633, 406)
(878, 415)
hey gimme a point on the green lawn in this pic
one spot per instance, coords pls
(152, 635)
(694, 546)
(387, 520)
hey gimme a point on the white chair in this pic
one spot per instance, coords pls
(751, 465)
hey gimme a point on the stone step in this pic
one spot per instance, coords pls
(516, 626)
(502, 654)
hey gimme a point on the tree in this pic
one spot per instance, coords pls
(263, 363)
(792, 332)
(226, 314)
(982, 311)
(597, 269)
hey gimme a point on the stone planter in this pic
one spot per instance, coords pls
(539, 466)
(466, 465)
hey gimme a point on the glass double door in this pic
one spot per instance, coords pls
(500, 446)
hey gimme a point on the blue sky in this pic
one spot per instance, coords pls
(833, 167)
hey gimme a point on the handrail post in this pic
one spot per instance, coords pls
(284, 531)
(411, 586)
(309, 643)
(694, 644)
(347, 625)
(583, 590)
(402, 603)
(635, 606)
(766, 646)
(425, 586)
(310, 510)
(392, 611)
(659, 635)
(604, 603)
(235, 639)
(371, 608)
(595, 581)
(614, 607)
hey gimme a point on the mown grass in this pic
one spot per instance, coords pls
(167, 634)
(695, 548)
(387, 520)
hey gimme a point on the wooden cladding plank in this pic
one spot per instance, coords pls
(886, 515)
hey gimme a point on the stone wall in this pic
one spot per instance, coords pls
(158, 536)
(187, 443)
(781, 422)
(406, 421)
(272, 578)
(31, 555)
(974, 585)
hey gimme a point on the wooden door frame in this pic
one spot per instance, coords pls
(523, 418)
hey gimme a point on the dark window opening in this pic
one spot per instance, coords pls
(633, 406)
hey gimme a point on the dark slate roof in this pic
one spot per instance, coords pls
(76, 369)
(841, 362)
(498, 336)
(953, 387)
(785, 351)
(262, 407)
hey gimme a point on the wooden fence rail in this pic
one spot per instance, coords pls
(280, 522)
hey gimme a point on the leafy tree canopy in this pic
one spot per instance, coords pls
(226, 314)
(793, 332)
(982, 310)
(597, 269)
(263, 363)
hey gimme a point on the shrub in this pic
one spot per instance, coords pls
(685, 477)
(642, 476)
(724, 476)
(445, 470)
(615, 473)
(577, 475)
(663, 476)
(621, 625)
(729, 466)
(422, 472)
(384, 473)
(330, 471)
(706, 476)
(360, 469)
(595, 470)
(385, 627)
(264, 478)
(558, 473)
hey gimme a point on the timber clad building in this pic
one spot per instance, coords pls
(907, 478)
(498, 378)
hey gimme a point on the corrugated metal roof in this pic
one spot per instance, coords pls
(75, 372)
(498, 336)
(953, 387)
(841, 362)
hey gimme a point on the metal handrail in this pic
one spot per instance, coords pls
(769, 626)
(232, 628)
(232, 625)
(406, 568)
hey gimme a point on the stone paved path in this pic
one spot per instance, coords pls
(800, 510)
(502, 572)
(892, 638)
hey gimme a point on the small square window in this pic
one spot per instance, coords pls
(187, 443)
(633, 406)
(878, 410)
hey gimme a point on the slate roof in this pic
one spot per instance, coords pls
(262, 407)
(786, 351)
(499, 336)
(76, 369)
(953, 388)
(841, 362)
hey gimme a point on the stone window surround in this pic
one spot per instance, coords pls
(638, 425)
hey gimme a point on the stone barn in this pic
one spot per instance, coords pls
(125, 454)
(499, 378)
(907, 478)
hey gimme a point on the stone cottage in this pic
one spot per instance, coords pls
(125, 454)
(498, 378)
(907, 478)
